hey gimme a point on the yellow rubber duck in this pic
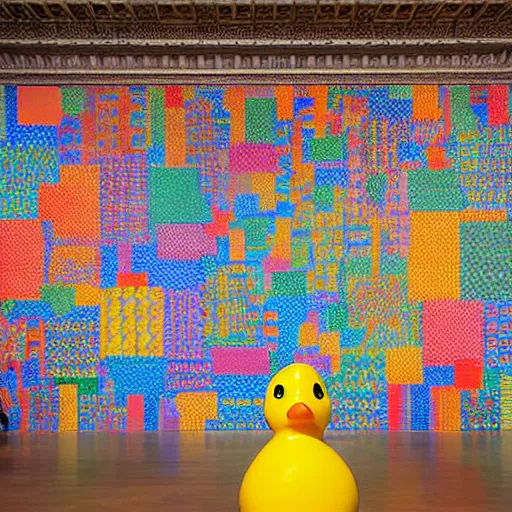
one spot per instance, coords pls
(296, 471)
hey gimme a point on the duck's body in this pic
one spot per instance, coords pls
(296, 471)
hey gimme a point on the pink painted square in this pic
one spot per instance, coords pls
(184, 242)
(452, 330)
(253, 158)
(240, 361)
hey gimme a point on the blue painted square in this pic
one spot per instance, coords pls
(420, 407)
(439, 375)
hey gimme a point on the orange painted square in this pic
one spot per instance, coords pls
(330, 345)
(21, 259)
(73, 204)
(319, 94)
(237, 245)
(39, 106)
(308, 334)
(284, 102)
(270, 331)
(87, 295)
(404, 365)
(434, 256)
(234, 101)
(82, 262)
(68, 407)
(446, 408)
(264, 184)
(270, 316)
(436, 157)
(282, 249)
(195, 408)
(175, 137)
(425, 102)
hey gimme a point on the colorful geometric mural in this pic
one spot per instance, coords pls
(164, 250)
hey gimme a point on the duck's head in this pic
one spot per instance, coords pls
(297, 399)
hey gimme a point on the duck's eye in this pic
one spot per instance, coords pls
(278, 391)
(318, 391)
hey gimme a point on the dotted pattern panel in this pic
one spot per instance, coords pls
(165, 250)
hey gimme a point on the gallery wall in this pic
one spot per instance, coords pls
(164, 250)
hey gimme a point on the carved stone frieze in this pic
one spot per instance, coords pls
(223, 41)
(337, 65)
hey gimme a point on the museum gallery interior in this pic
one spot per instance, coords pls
(256, 256)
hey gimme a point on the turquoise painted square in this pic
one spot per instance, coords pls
(434, 191)
(486, 260)
(329, 149)
(337, 317)
(289, 284)
(260, 119)
(256, 230)
(175, 197)
(324, 197)
(392, 265)
(359, 267)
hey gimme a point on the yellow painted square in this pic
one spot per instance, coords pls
(404, 365)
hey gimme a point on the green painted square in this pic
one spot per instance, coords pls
(300, 253)
(400, 92)
(275, 364)
(156, 102)
(323, 197)
(359, 267)
(486, 260)
(329, 149)
(492, 378)
(73, 100)
(337, 317)
(7, 306)
(61, 298)
(463, 118)
(289, 284)
(376, 186)
(2, 112)
(393, 265)
(85, 385)
(256, 230)
(434, 191)
(175, 197)
(260, 119)
(208, 265)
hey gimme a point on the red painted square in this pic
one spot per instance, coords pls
(125, 280)
(395, 406)
(73, 204)
(220, 223)
(39, 106)
(173, 97)
(135, 413)
(498, 105)
(21, 259)
(452, 330)
(469, 374)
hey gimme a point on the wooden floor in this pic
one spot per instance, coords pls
(157, 472)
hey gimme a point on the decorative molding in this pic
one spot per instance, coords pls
(254, 41)
(256, 12)
(329, 66)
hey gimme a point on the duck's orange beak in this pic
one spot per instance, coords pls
(300, 412)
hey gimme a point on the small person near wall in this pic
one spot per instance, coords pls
(4, 419)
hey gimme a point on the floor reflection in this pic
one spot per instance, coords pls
(201, 471)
